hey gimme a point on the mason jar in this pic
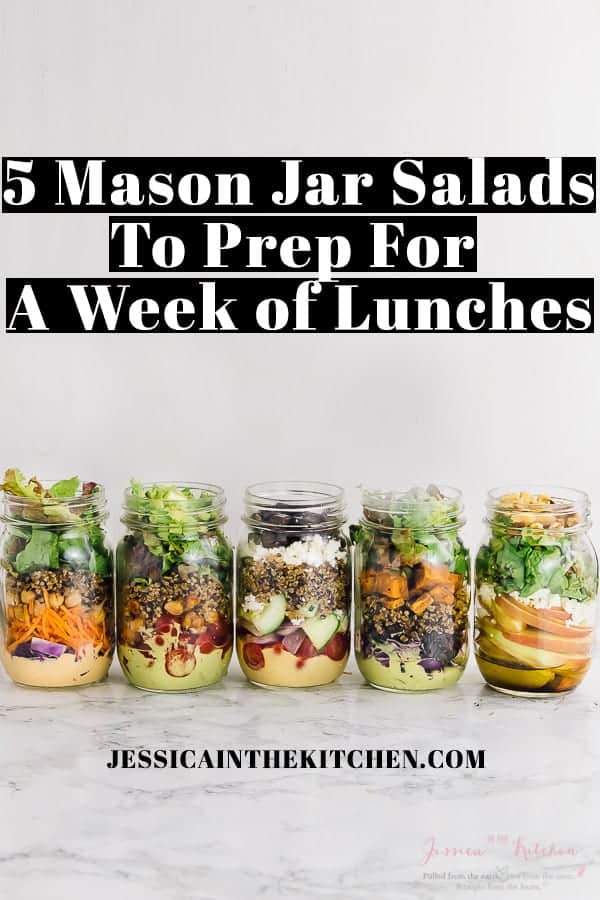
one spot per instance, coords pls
(536, 586)
(56, 584)
(412, 578)
(174, 587)
(293, 594)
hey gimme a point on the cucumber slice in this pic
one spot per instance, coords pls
(270, 617)
(320, 631)
(342, 621)
(308, 611)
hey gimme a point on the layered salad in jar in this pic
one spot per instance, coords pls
(174, 587)
(536, 587)
(412, 589)
(57, 587)
(293, 592)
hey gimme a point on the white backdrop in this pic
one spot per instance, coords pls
(340, 78)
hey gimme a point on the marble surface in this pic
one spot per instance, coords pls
(70, 826)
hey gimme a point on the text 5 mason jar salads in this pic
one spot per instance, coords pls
(536, 586)
(174, 584)
(412, 589)
(293, 596)
(57, 598)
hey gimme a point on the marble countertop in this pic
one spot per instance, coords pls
(71, 826)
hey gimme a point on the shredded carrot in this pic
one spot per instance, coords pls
(63, 626)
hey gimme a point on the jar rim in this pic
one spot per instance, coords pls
(204, 487)
(15, 509)
(387, 503)
(407, 497)
(295, 497)
(554, 506)
(295, 494)
(136, 509)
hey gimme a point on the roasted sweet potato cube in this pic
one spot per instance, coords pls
(428, 575)
(368, 581)
(394, 604)
(443, 594)
(393, 585)
(419, 606)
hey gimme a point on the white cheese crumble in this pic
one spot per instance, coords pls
(581, 613)
(542, 599)
(314, 551)
(297, 622)
(486, 593)
(251, 603)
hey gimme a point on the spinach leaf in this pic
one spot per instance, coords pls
(511, 567)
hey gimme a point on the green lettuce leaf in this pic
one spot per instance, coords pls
(15, 482)
(40, 553)
(65, 489)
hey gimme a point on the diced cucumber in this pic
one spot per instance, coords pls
(308, 611)
(342, 621)
(270, 617)
(320, 631)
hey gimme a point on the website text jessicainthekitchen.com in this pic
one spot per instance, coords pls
(144, 758)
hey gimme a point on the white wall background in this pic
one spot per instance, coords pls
(143, 77)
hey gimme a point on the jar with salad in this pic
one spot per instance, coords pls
(56, 583)
(293, 597)
(536, 587)
(412, 589)
(174, 587)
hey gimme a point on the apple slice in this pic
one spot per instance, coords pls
(485, 647)
(543, 640)
(546, 620)
(506, 621)
(533, 656)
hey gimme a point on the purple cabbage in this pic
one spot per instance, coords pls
(39, 649)
(430, 664)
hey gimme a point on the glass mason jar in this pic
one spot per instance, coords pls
(56, 587)
(412, 589)
(293, 594)
(536, 584)
(174, 584)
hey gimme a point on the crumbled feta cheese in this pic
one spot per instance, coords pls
(486, 593)
(542, 599)
(297, 622)
(314, 551)
(251, 603)
(581, 613)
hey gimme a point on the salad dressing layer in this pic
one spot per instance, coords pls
(188, 669)
(281, 669)
(65, 671)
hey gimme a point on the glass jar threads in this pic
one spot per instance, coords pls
(536, 587)
(412, 589)
(174, 584)
(293, 596)
(56, 586)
